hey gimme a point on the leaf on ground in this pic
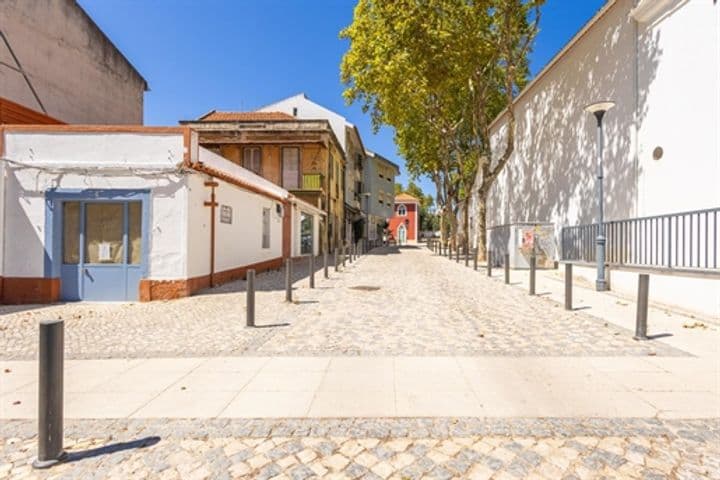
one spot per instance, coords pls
(7, 370)
(17, 402)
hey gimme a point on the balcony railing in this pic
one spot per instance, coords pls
(679, 241)
(312, 181)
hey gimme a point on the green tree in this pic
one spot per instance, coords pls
(439, 71)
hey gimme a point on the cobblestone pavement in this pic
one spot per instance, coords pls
(371, 449)
(409, 303)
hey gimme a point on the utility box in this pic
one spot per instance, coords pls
(519, 240)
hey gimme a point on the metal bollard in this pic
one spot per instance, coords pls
(532, 273)
(325, 265)
(506, 265)
(475, 261)
(489, 263)
(642, 307)
(250, 314)
(467, 255)
(568, 286)
(312, 270)
(350, 253)
(337, 266)
(50, 399)
(342, 254)
(288, 280)
(457, 254)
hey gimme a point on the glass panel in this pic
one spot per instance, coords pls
(291, 167)
(71, 232)
(134, 232)
(306, 234)
(104, 233)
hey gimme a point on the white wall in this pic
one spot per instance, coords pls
(26, 185)
(665, 78)
(240, 243)
(679, 110)
(309, 110)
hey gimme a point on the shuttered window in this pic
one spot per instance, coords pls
(252, 159)
(291, 167)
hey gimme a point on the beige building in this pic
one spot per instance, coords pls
(56, 61)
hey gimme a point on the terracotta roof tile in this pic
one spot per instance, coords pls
(404, 197)
(215, 116)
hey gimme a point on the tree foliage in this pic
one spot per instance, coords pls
(439, 72)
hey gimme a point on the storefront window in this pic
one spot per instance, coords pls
(134, 232)
(71, 233)
(104, 233)
(306, 234)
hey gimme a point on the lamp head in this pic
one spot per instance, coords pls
(599, 108)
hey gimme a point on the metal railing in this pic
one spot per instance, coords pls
(679, 241)
(312, 181)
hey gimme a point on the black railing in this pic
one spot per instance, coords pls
(681, 241)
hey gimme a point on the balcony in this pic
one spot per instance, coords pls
(312, 181)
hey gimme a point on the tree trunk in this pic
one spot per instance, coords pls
(481, 234)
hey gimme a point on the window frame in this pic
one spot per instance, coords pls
(404, 210)
(299, 165)
(250, 148)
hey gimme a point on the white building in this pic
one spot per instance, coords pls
(133, 213)
(659, 61)
(379, 181)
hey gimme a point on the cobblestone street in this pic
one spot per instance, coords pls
(393, 307)
(376, 449)
(417, 304)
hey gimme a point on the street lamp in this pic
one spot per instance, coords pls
(598, 109)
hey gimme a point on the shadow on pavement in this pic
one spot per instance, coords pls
(112, 448)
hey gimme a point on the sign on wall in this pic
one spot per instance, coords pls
(225, 214)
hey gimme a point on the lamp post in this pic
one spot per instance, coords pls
(598, 109)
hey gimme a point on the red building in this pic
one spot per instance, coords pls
(404, 223)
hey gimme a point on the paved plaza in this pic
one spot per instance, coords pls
(416, 304)
(403, 365)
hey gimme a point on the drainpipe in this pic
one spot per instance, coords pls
(212, 204)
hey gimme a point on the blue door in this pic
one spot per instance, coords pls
(102, 247)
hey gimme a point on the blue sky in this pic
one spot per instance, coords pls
(242, 54)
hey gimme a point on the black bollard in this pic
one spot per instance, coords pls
(337, 265)
(489, 263)
(457, 254)
(250, 315)
(288, 280)
(475, 259)
(642, 307)
(506, 265)
(342, 254)
(50, 398)
(325, 265)
(532, 273)
(467, 256)
(568, 286)
(311, 261)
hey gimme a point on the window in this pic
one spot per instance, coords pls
(71, 232)
(291, 168)
(252, 159)
(306, 234)
(266, 228)
(402, 211)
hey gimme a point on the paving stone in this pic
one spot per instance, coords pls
(511, 322)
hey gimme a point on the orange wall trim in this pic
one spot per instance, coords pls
(24, 290)
(172, 289)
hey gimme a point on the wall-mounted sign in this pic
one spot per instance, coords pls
(225, 214)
